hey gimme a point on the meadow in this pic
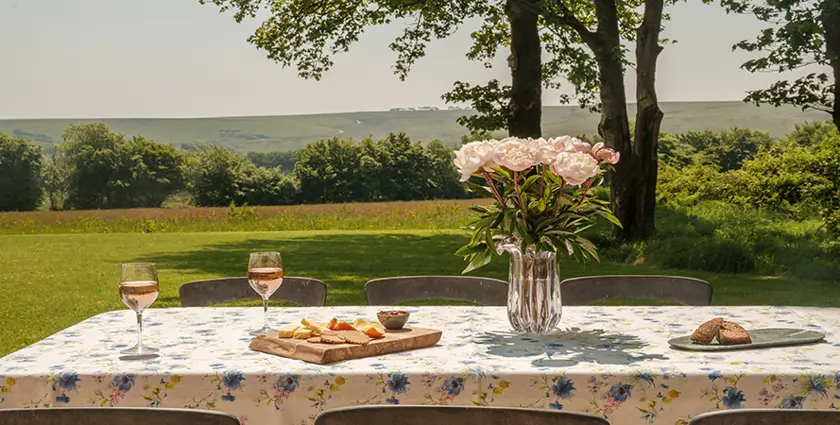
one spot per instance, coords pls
(55, 270)
(282, 133)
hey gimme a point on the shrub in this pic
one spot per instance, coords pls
(20, 174)
(726, 149)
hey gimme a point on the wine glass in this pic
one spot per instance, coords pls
(265, 274)
(139, 289)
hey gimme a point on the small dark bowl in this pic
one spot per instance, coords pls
(393, 320)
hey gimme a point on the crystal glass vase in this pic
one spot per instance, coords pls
(533, 303)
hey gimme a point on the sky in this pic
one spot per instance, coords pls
(178, 58)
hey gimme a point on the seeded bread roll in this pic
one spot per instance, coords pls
(733, 334)
(707, 332)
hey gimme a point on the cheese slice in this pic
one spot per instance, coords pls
(303, 334)
(288, 331)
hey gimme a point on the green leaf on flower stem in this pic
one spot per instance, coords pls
(502, 172)
(610, 217)
(528, 182)
(470, 249)
(478, 260)
(480, 209)
(479, 190)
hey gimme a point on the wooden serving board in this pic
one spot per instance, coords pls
(393, 342)
(761, 338)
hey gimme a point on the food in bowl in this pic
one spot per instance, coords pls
(393, 319)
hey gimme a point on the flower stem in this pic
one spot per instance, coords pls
(493, 187)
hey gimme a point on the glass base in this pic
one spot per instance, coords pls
(263, 330)
(140, 350)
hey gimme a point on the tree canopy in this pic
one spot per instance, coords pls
(803, 34)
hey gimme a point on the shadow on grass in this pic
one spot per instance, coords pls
(346, 261)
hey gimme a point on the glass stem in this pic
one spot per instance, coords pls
(139, 329)
(265, 312)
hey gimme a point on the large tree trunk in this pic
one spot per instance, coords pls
(614, 127)
(831, 23)
(648, 121)
(526, 69)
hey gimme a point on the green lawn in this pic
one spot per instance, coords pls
(50, 282)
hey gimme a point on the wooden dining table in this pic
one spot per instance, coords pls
(610, 361)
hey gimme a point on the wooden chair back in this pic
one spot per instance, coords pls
(114, 416)
(769, 417)
(461, 415)
(203, 293)
(681, 290)
(477, 290)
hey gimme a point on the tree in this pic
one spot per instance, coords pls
(104, 170)
(804, 34)
(582, 39)
(155, 172)
(20, 174)
(218, 177)
(284, 161)
(56, 177)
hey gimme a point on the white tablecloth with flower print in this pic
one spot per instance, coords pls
(609, 361)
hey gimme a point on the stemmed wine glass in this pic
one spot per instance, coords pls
(265, 274)
(139, 289)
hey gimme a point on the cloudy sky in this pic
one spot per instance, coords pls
(177, 58)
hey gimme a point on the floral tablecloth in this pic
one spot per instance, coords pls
(609, 361)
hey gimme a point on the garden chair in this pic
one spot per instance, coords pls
(769, 417)
(461, 415)
(203, 293)
(477, 290)
(680, 290)
(114, 415)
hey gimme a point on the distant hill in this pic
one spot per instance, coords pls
(280, 133)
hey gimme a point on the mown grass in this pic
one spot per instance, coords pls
(50, 282)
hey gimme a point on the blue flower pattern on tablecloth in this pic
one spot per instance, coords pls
(124, 382)
(610, 361)
(732, 398)
(454, 385)
(397, 383)
(562, 387)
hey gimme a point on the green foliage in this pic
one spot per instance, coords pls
(219, 177)
(803, 34)
(536, 209)
(726, 149)
(155, 172)
(283, 161)
(813, 133)
(390, 169)
(20, 174)
(104, 170)
(800, 177)
(300, 34)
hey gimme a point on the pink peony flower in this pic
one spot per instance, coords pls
(515, 155)
(474, 156)
(571, 144)
(605, 154)
(575, 167)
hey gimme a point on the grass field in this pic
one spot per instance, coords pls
(53, 281)
(280, 133)
(57, 269)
